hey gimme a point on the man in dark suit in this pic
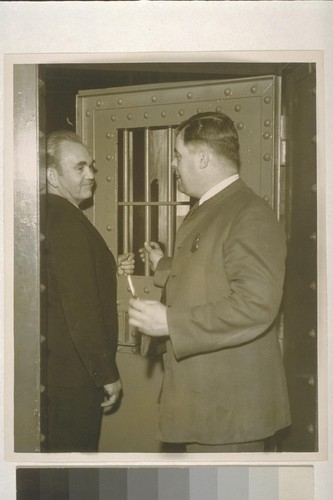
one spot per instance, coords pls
(224, 386)
(82, 328)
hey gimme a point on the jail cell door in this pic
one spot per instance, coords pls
(130, 133)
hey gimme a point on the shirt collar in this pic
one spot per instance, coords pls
(218, 187)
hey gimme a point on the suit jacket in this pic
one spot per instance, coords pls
(224, 380)
(82, 325)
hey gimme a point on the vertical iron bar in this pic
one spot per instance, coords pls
(130, 192)
(147, 198)
(170, 209)
(125, 190)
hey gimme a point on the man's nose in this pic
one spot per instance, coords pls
(89, 173)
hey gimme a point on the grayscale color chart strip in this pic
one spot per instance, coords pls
(178, 483)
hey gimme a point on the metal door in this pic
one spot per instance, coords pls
(130, 133)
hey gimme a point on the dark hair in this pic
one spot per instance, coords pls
(215, 130)
(53, 141)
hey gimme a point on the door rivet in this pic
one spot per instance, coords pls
(267, 123)
(312, 333)
(266, 135)
(154, 98)
(313, 286)
(254, 90)
(267, 157)
(267, 99)
(189, 95)
(129, 116)
(238, 108)
(88, 113)
(310, 428)
(113, 118)
(240, 125)
(120, 101)
(227, 92)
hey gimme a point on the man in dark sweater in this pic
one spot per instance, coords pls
(82, 331)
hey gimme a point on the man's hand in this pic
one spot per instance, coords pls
(126, 264)
(154, 251)
(112, 394)
(149, 316)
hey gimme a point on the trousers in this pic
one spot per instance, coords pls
(73, 419)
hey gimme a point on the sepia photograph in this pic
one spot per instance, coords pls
(166, 242)
(165, 255)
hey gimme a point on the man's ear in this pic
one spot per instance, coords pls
(52, 177)
(204, 157)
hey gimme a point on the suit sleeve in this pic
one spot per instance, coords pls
(253, 257)
(73, 266)
(162, 271)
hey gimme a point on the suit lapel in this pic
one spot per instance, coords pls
(198, 212)
(84, 219)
